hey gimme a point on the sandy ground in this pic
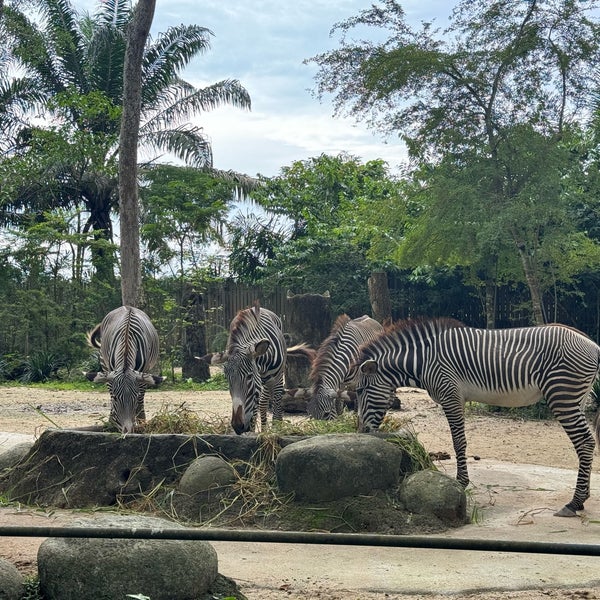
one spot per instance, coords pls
(25, 413)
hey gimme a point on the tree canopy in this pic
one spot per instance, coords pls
(492, 104)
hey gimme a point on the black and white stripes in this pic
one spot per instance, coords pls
(254, 363)
(128, 345)
(503, 367)
(333, 366)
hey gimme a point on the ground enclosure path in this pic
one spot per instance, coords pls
(515, 466)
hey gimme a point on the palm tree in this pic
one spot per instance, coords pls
(72, 69)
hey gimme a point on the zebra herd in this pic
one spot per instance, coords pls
(454, 363)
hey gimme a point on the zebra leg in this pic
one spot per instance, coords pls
(140, 412)
(263, 405)
(276, 395)
(576, 427)
(455, 414)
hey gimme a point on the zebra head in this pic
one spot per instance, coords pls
(245, 383)
(127, 389)
(374, 388)
(323, 403)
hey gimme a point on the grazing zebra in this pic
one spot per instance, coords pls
(332, 366)
(503, 367)
(128, 345)
(254, 361)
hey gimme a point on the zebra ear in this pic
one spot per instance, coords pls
(214, 358)
(369, 367)
(148, 379)
(261, 347)
(96, 376)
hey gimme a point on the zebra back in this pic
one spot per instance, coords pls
(251, 325)
(339, 350)
(128, 340)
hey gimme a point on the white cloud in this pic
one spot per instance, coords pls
(263, 44)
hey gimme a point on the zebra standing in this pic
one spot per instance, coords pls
(502, 367)
(254, 362)
(332, 366)
(128, 344)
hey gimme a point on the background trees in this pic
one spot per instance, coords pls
(75, 65)
(490, 106)
(493, 220)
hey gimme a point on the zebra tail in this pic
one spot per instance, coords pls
(93, 337)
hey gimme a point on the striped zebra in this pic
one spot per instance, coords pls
(503, 367)
(332, 367)
(128, 344)
(253, 363)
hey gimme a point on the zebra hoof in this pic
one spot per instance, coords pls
(565, 511)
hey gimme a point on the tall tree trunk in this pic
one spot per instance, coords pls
(379, 295)
(194, 336)
(533, 284)
(490, 303)
(137, 34)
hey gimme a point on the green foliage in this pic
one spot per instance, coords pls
(183, 210)
(328, 240)
(72, 71)
(40, 367)
(488, 108)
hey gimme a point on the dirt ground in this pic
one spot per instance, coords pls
(29, 412)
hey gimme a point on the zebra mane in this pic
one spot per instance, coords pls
(415, 327)
(327, 349)
(246, 320)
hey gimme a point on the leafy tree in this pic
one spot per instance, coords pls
(75, 65)
(492, 95)
(324, 247)
(183, 210)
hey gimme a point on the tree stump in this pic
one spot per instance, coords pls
(194, 337)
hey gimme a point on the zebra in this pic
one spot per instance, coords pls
(332, 367)
(503, 367)
(128, 344)
(253, 363)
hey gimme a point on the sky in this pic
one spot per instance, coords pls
(263, 44)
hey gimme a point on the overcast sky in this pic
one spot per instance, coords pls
(263, 44)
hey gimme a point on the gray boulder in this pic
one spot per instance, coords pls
(12, 456)
(432, 492)
(329, 467)
(207, 473)
(106, 569)
(11, 581)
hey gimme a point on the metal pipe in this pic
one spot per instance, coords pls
(303, 537)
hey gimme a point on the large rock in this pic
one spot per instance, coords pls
(205, 474)
(14, 455)
(432, 492)
(11, 581)
(329, 467)
(107, 569)
(77, 469)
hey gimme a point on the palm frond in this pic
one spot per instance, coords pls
(113, 14)
(186, 143)
(105, 60)
(169, 54)
(29, 49)
(180, 106)
(68, 44)
(244, 184)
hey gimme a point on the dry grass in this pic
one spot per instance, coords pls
(254, 497)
